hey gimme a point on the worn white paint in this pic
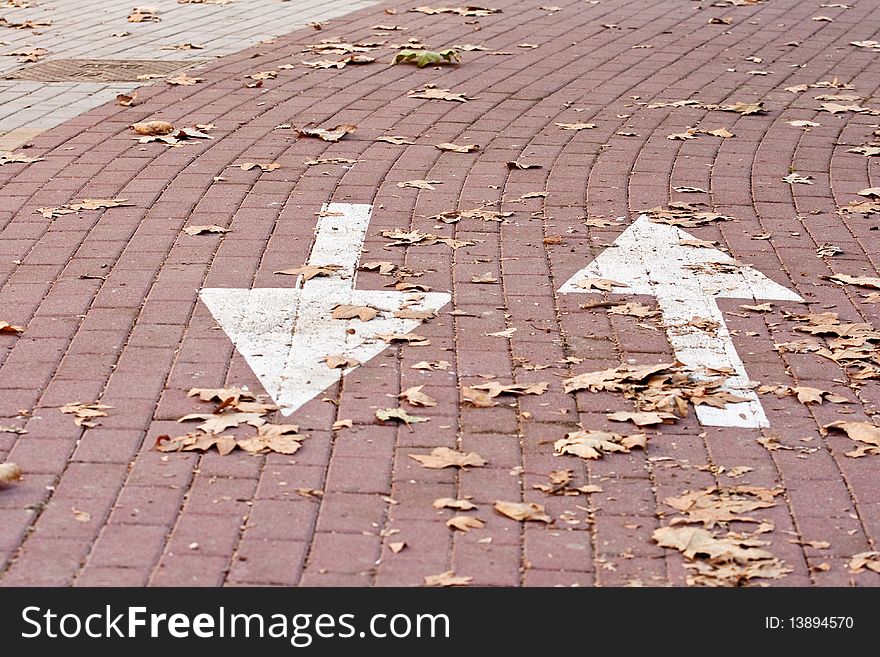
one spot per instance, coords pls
(648, 258)
(284, 334)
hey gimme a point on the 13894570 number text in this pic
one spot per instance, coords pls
(809, 622)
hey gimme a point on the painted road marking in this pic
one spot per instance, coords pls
(284, 334)
(648, 258)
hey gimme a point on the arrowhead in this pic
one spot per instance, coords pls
(284, 336)
(648, 255)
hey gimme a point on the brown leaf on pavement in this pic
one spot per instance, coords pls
(430, 92)
(9, 473)
(461, 11)
(420, 184)
(863, 432)
(576, 126)
(331, 135)
(870, 560)
(270, 166)
(450, 503)
(218, 423)
(415, 397)
(465, 523)
(863, 281)
(443, 457)
(363, 313)
(395, 139)
(523, 511)
(144, 15)
(387, 414)
(449, 578)
(458, 148)
(5, 327)
(84, 413)
(308, 272)
(183, 80)
(9, 157)
(643, 419)
(202, 230)
(226, 396)
(591, 444)
(126, 100)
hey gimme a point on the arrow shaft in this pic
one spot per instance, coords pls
(699, 337)
(339, 238)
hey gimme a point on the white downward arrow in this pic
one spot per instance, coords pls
(649, 258)
(284, 334)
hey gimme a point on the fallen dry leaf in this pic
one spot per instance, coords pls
(331, 135)
(430, 92)
(308, 272)
(863, 432)
(515, 164)
(183, 80)
(386, 414)
(451, 503)
(152, 127)
(5, 327)
(576, 126)
(143, 15)
(643, 419)
(9, 157)
(395, 139)
(420, 184)
(870, 560)
(9, 473)
(523, 511)
(795, 178)
(458, 148)
(126, 100)
(465, 523)
(226, 396)
(201, 230)
(863, 281)
(415, 397)
(84, 413)
(591, 444)
(363, 313)
(443, 457)
(461, 11)
(449, 578)
(270, 166)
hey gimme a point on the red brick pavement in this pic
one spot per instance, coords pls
(109, 302)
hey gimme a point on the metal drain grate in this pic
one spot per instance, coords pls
(98, 70)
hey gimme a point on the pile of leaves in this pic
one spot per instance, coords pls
(85, 414)
(716, 557)
(684, 214)
(855, 346)
(590, 445)
(663, 388)
(235, 407)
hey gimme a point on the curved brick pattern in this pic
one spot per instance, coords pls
(109, 301)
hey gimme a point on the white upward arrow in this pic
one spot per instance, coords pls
(649, 258)
(284, 334)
